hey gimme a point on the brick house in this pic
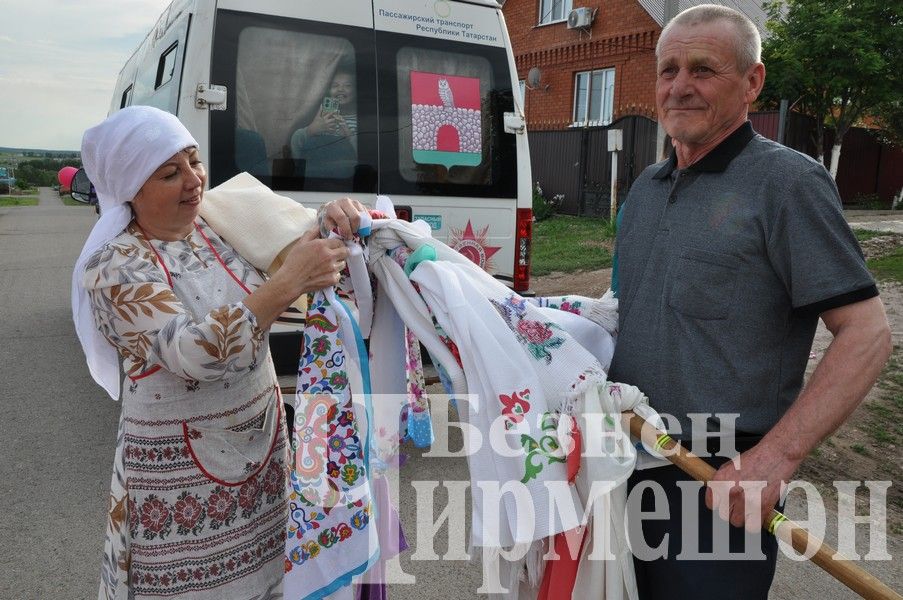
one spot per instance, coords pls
(605, 70)
(596, 73)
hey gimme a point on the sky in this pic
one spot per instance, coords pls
(59, 60)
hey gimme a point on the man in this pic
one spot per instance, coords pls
(729, 252)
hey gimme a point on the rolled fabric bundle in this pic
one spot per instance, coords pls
(259, 223)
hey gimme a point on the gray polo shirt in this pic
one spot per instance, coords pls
(724, 268)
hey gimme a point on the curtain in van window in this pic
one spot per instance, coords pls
(282, 77)
(472, 75)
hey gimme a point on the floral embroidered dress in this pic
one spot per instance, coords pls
(197, 504)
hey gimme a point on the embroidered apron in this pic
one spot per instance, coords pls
(204, 472)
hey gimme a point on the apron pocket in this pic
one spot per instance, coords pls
(231, 457)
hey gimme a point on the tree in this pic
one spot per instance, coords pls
(22, 181)
(836, 60)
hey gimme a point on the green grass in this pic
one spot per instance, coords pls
(69, 201)
(868, 202)
(860, 449)
(866, 234)
(881, 435)
(889, 266)
(18, 200)
(892, 376)
(884, 425)
(564, 243)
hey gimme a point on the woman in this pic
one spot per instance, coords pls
(197, 504)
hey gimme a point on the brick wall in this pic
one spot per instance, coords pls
(622, 36)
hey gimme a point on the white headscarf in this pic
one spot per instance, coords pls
(119, 155)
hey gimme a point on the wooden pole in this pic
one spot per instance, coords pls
(843, 569)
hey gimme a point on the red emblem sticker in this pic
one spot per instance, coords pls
(474, 246)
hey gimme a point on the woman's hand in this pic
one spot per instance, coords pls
(343, 214)
(311, 264)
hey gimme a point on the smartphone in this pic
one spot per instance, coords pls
(330, 104)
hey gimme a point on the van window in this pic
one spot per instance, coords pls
(166, 67)
(159, 68)
(302, 103)
(126, 97)
(441, 112)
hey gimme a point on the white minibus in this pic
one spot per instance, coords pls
(414, 99)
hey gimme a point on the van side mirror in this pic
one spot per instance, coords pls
(82, 189)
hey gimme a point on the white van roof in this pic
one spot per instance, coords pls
(492, 3)
(176, 7)
(166, 18)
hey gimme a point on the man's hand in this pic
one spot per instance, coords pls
(861, 346)
(764, 463)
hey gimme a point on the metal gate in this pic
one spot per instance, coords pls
(576, 164)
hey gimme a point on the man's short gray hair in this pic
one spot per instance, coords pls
(747, 41)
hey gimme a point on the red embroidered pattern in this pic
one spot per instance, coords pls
(184, 577)
(208, 417)
(515, 406)
(154, 517)
(156, 454)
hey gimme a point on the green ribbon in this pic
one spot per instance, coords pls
(660, 442)
(775, 522)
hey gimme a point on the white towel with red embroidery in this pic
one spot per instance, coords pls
(527, 362)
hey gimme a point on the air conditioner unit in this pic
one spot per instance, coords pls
(581, 18)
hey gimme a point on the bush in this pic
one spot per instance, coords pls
(23, 183)
(543, 208)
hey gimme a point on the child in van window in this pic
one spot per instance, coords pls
(337, 118)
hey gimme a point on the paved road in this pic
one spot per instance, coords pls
(58, 432)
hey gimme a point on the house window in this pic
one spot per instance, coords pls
(552, 11)
(594, 94)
